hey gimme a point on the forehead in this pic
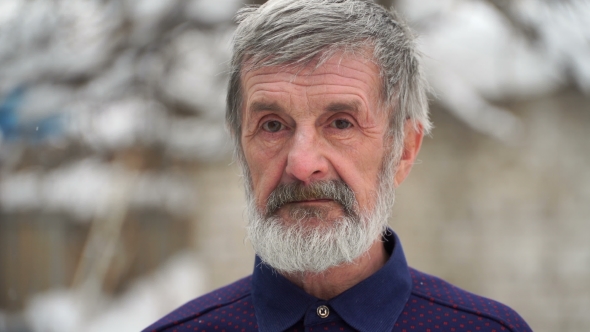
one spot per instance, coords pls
(338, 71)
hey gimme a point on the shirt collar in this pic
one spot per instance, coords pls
(374, 304)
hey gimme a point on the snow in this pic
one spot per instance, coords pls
(213, 11)
(112, 82)
(42, 100)
(565, 29)
(149, 298)
(468, 44)
(119, 124)
(85, 189)
(134, 77)
(199, 76)
(472, 56)
(118, 70)
(191, 139)
(147, 16)
(474, 42)
(58, 40)
(134, 121)
(138, 65)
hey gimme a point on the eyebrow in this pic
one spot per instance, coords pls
(260, 106)
(353, 106)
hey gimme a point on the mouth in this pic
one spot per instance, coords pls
(320, 200)
(313, 206)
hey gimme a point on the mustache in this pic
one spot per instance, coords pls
(336, 190)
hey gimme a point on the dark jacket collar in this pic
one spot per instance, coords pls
(372, 305)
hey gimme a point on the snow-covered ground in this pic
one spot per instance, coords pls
(149, 298)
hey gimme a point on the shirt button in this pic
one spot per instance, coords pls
(323, 311)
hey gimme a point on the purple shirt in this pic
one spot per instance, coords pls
(395, 298)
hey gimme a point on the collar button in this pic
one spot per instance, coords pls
(323, 311)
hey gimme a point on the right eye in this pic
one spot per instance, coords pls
(272, 126)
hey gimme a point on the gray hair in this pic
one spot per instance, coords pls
(297, 32)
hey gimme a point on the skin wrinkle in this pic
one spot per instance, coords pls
(312, 74)
(321, 72)
(252, 81)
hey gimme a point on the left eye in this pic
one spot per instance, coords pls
(340, 124)
(272, 126)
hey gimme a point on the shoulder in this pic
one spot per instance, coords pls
(208, 308)
(448, 307)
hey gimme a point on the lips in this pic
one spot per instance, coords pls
(320, 200)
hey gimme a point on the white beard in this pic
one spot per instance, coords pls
(292, 246)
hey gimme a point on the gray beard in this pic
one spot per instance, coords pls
(293, 246)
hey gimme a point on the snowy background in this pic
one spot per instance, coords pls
(113, 110)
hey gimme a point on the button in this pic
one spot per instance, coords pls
(323, 311)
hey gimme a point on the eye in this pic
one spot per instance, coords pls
(341, 124)
(272, 126)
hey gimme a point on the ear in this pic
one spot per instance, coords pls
(413, 135)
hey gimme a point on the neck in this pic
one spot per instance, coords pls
(336, 280)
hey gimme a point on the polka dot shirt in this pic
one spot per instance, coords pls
(395, 298)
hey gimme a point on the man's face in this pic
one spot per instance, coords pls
(314, 125)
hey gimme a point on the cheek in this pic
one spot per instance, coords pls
(266, 168)
(364, 168)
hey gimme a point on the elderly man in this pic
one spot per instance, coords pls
(327, 107)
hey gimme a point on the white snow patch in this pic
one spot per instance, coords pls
(474, 55)
(119, 124)
(197, 139)
(149, 298)
(199, 76)
(85, 189)
(213, 11)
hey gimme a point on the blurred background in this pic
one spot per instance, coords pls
(119, 199)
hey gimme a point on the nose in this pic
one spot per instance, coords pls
(306, 161)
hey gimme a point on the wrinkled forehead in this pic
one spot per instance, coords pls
(359, 63)
(336, 63)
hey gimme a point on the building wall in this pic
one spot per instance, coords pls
(508, 221)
